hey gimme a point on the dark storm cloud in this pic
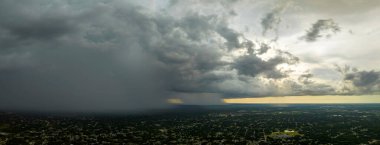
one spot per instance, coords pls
(97, 67)
(107, 56)
(40, 28)
(114, 55)
(252, 65)
(317, 30)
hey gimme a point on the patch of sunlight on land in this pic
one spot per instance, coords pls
(285, 134)
(307, 100)
(175, 101)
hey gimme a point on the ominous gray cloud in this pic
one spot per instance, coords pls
(65, 55)
(321, 28)
(116, 56)
(252, 65)
(69, 59)
(366, 82)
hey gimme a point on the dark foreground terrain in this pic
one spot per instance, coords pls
(229, 124)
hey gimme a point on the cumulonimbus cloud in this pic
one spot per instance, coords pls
(114, 55)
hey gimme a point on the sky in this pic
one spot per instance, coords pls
(125, 55)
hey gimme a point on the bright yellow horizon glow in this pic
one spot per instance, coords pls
(307, 100)
(175, 101)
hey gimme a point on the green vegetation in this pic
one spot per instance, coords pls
(262, 125)
(3, 126)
